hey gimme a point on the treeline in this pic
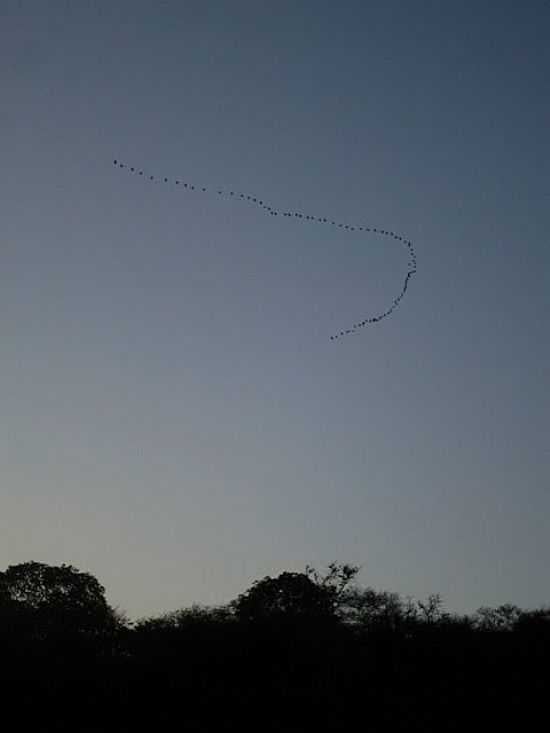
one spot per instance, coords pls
(301, 651)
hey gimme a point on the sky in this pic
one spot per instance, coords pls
(175, 417)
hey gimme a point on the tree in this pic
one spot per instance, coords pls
(288, 597)
(373, 610)
(57, 598)
(534, 624)
(431, 609)
(335, 582)
(502, 618)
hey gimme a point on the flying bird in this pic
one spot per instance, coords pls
(323, 220)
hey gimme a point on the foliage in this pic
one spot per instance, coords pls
(336, 582)
(502, 618)
(371, 609)
(303, 646)
(57, 598)
(535, 623)
(289, 596)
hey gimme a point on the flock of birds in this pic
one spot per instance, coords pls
(306, 217)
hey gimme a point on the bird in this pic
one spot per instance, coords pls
(323, 220)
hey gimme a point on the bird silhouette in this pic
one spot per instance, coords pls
(323, 220)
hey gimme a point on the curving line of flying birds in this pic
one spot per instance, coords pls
(299, 215)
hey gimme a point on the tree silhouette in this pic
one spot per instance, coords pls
(301, 645)
(502, 618)
(374, 610)
(336, 582)
(534, 624)
(289, 596)
(58, 598)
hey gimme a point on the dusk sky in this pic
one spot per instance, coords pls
(175, 418)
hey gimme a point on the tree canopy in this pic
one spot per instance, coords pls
(288, 596)
(56, 596)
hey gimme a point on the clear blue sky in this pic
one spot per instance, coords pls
(175, 418)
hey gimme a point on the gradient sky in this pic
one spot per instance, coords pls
(174, 417)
